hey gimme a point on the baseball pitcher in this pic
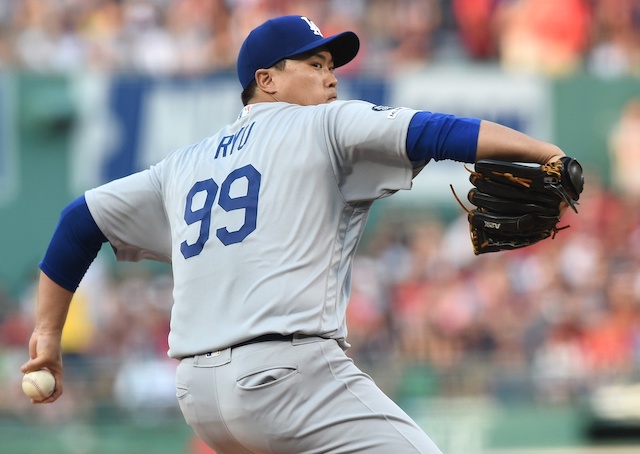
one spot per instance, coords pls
(260, 223)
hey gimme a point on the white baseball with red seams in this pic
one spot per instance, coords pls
(38, 384)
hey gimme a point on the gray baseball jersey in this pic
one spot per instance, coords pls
(261, 220)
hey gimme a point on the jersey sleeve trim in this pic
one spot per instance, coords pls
(442, 136)
(74, 245)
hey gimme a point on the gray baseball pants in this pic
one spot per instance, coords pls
(303, 396)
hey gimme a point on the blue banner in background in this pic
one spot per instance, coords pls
(125, 103)
(127, 123)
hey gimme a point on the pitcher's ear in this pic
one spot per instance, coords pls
(264, 81)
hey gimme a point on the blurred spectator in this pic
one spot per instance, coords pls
(616, 38)
(624, 149)
(611, 336)
(559, 368)
(477, 27)
(47, 37)
(202, 33)
(413, 26)
(152, 49)
(400, 33)
(543, 36)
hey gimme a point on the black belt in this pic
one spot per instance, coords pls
(265, 338)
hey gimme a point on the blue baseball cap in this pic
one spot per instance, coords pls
(288, 36)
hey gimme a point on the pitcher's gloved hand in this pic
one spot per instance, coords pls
(517, 204)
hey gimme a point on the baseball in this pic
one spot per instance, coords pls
(38, 384)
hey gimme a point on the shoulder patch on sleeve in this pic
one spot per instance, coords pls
(393, 111)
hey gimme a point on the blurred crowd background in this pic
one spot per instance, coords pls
(198, 36)
(550, 323)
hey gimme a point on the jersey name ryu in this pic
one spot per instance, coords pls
(235, 142)
(205, 195)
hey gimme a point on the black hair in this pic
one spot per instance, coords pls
(250, 91)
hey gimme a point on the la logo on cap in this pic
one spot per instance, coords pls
(314, 28)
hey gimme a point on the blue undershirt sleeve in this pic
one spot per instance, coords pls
(442, 136)
(74, 245)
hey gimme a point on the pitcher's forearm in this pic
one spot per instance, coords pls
(499, 142)
(53, 306)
